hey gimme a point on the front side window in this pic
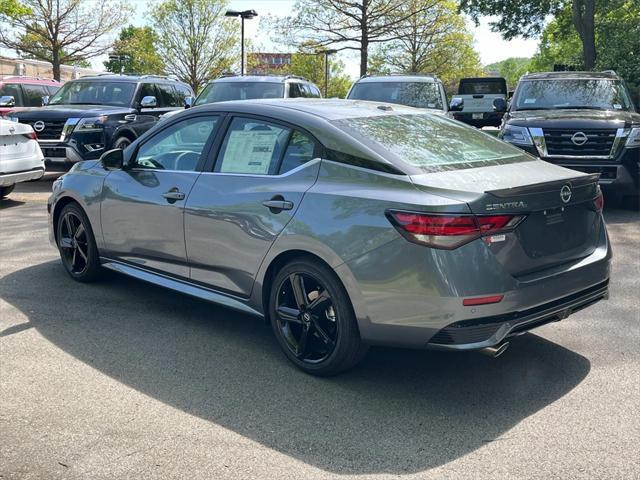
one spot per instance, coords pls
(572, 93)
(178, 147)
(294, 90)
(33, 95)
(226, 91)
(182, 92)
(412, 94)
(12, 90)
(168, 96)
(252, 147)
(148, 90)
(81, 92)
(431, 142)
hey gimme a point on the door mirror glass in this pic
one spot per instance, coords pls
(148, 102)
(500, 105)
(113, 159)
(45, 100)
(457, 104)
(7, 101)
(188, 102)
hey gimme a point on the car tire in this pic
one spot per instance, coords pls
(322, 337)
(6, 190)
(77, 245)
(122, 143)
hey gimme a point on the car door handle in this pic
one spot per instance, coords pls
(278, 204)
(173, 195)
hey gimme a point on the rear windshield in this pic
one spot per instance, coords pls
(490, 86)
(559, 94)
(224, 91)
(431, 142)
(94, 93)
(413, 94)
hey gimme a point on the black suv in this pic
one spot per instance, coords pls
(581, 120)
(90, 115)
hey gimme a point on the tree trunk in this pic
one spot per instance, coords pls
(364, 38)
(364, 57)
(55, 62)
(583, 16)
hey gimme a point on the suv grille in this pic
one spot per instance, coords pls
(599, 142)
(52, 129)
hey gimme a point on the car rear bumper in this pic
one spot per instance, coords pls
(7, 179)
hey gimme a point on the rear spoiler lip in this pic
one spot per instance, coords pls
(538, 188)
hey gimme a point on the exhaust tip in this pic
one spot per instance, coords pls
(495, 351)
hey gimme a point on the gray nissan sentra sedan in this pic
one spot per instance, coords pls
(342, 223)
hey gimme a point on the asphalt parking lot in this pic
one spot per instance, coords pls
(118, 380)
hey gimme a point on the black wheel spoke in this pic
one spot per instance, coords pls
(299, 293)
(82, 254)
(302, 343)
(74, 243)
(321, 302)
(326, 339)
(288, 314)
(79, 232)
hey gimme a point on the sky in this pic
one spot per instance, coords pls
(491, 47)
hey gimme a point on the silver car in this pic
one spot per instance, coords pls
(342, 223)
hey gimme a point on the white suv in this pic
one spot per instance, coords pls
(21, 159)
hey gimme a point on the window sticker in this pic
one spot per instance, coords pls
(529, 100)
(617, 106)
(249, 151)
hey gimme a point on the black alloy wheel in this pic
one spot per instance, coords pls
(76, 244)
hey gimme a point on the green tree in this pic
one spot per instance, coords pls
(527, 18)
(311, 66)
(195, 40)
(59, 31)
(138, 46)
(435, 40)
(511, 69)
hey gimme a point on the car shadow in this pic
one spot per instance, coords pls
(400, 411)
(9, 203)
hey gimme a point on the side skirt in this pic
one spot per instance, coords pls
(179, 286)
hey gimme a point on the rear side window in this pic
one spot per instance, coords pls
(310, 91)
(430, 142)
(12, 90)
(490, 86)
(33, 95)
(294, 90)
(299, 151)
(252, 147)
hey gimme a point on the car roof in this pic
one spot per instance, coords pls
(570, 75)
(30, 80)
(260, 78)
(396, 77)
(130, 78)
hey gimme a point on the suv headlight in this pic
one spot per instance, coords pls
(633, 140)
(516, 135)
(91, 124)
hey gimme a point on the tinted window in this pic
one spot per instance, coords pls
(51, 89)
(315, 92)
(183, 92)
(431, 142)
(148, 90)
(482, 87)
(12, 90)
(94, 93)
(224, 91)
(299, 151)
(168, 96)
(413, 94)
(309, 91)
(177, 147)
(572, 93)
(252, 146)
(294, 90)
(33, 95)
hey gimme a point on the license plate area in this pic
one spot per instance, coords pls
(477, 116)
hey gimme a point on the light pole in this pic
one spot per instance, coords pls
(326, 70)
(245, 14)
(119, 58)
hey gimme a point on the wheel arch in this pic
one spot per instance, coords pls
(123, 132)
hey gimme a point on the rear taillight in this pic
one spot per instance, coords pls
(449, 231)
(30, 135)
(598, 202)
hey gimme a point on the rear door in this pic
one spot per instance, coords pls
(236, 211)
(142, 209)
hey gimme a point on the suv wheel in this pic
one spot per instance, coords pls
(312, 319)
(122, 143)
(77, 244)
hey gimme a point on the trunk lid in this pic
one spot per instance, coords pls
(561, 223)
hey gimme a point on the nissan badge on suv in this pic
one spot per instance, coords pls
(90, 115)
(585, 121)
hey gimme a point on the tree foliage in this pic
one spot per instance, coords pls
(435, 40)
(311, 67)
(195, 40)
(139, 47)
(510, 69)
(59, 31)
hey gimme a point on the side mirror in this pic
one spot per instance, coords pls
(148, 102)
(45, 100)
(188, 102)
(500, 105)
(457, 104)
(113, 159)
(7, 101)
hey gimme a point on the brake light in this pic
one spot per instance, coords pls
(598, 202)
(31, 135)
(449, 231)
(470, 302)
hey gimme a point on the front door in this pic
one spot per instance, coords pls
(235, 213)
(143, 206)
